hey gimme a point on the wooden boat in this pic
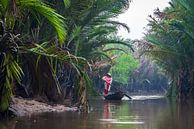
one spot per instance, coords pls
(116, 96)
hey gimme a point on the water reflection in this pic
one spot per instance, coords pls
(107, 115)
(138, 114)
(179, 116)
(115, 114)
(107, 111)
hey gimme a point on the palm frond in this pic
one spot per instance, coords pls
(115, 49)
(188, 4)
(53, 17)
(101, 54)
(116, 42)
(125, 26)
(3, 6)
(67, 3)
(57, 53)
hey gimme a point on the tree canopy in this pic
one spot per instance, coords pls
(58, 41)
(169, 41)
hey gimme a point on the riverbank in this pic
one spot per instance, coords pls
(26, 107)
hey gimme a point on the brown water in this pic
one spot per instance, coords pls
(145, 112)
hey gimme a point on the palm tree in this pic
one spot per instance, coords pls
(93, 29)
(89, 29)
(41, 55)
(90, 34)
(13, 17)
(170, 43)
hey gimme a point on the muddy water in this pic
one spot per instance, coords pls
(144, 112)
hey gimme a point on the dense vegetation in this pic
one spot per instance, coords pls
(124, 66)
(123, 63)
(50, 47)
(169, 41)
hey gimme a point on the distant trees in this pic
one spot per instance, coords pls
(123, 64)
(148, 79)
(169, 41)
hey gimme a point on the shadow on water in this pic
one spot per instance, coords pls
(149, 113)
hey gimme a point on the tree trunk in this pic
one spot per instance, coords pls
(43, 83)
(185, 83)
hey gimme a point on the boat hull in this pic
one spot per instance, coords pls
(115, 96)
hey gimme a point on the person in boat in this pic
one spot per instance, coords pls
(108, 80)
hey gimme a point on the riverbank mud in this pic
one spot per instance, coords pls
(25, 107)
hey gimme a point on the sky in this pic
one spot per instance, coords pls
(136, 16)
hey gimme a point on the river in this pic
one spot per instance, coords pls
(143, 112)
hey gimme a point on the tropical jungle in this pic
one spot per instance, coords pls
(57, 51)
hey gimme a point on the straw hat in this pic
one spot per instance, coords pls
(108, 74)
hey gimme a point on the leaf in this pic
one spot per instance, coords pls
(67, 3)
(52, 16)
(4, 5)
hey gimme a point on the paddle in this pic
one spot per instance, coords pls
(127, 96)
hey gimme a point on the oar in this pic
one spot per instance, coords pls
(127, 96)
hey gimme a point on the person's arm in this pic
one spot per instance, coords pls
(110, 83)
(104, 78)
(110, 80)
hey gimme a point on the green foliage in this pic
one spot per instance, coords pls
(123, 60)
(123, 67)
(54, 18)
(96, 28)
(10, 70)
(170, 43)
(67, 3)
(83, 29)
(11, 45)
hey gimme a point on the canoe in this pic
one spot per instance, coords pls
(115, 96)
